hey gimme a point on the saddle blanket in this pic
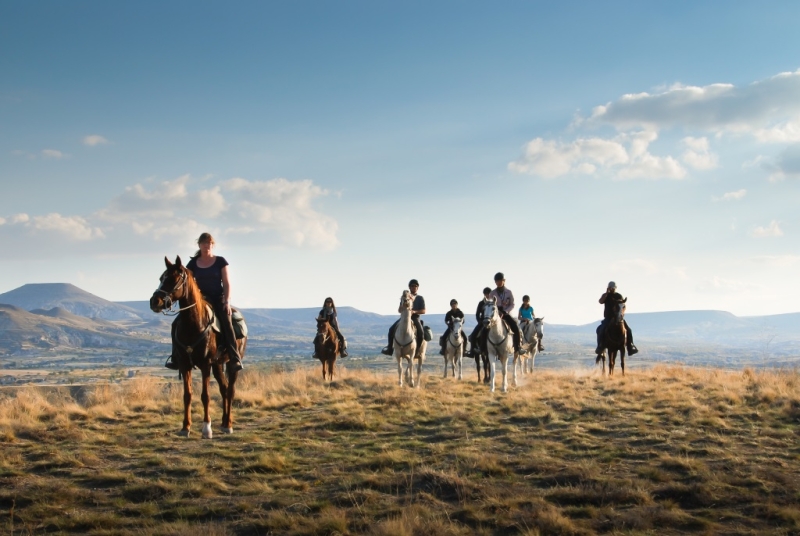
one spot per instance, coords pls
(239, 325)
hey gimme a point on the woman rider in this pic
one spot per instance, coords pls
(328, 312)
(211, 274)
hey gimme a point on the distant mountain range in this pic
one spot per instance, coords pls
(56, 316)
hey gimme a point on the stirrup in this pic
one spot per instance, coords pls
(632, 350)
(170, 364)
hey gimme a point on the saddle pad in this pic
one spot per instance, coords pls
(239, 325)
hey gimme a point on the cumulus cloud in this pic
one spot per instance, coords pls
(52, 153)
(767, 110)
(173, 213)
(716, 107)
(771, 230)
(625, 156)
(698, 154)
(732, 196)
(94, 139)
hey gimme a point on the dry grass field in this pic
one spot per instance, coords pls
(661, 451)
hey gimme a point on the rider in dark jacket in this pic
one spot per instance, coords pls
(328, 312)
(454, 312)
(609, 298)
(474, 349)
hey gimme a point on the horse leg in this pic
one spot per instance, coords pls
(612, 357)
(233, 375)
(222, 383)
(493, 367)
(478, 366)
(399, 371)
(419, 372)
(514, 362)
(622, 360)
(504, 364)
(206, 398)
(460, 365)
(187, 403)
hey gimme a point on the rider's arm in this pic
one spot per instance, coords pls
(226, 290)
(604, 297)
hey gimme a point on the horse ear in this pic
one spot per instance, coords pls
(626, 299)
(178, 261)
(166, 261)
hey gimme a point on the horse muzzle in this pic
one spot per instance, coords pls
(158, 303)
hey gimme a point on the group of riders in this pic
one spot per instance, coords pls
(211, 274)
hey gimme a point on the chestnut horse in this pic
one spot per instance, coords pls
(326, 347)
(614, 339)
(196, 344)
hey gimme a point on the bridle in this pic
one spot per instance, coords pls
(491, 320)
(168, 309)
(458, 335)
(406, 299)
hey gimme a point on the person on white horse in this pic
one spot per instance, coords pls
(505, 304)
(609, 298)
(526, 315)
(417, 309)
(454, 312)
(474, 337)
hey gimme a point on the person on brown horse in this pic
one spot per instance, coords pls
(474, 337)
(608, 299)
(328, 312)
(211, 275)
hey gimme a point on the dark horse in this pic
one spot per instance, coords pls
(326, 347)
(196, 344)
(614, 339)
(480, 354)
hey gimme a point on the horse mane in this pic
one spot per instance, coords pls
(193, 293)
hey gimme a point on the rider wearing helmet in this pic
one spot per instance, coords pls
(474, 348)
(609, 298)
(417, 308)
(526, 315)
(505, 305)
(454, 312)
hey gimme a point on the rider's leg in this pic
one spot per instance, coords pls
(514, 327)
(418, 324)
(631, 347)
(226, 323)
(443, 340)
(389, 348)
(600, 332)
(473, 341)
(342, 342)
(171, 364)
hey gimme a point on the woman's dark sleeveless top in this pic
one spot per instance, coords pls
(209, 280)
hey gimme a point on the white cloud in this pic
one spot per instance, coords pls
(784, 132)
(171, 214)
(52, 153)
(626, 156)
(754, 108)
(697, 153)
(732, 196)
(94, 140)
(772, 230)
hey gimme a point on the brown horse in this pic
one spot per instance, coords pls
(326, 347)
(615, 339)
(196, 344)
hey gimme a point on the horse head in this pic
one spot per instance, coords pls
(619, 310)
(490, 314)
(539, 325)
(172, 286)
(322, 324)
(458, 325)
(406, 301)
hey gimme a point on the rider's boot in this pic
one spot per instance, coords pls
(170, 364)
(541, 348)
(632, 349)
(520, 350)
(387, 350)
(343, 349)
(235, 362)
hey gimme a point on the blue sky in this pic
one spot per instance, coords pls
(342, 148)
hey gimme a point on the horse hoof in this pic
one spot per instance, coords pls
(207, 433)
(227, 430)
(184, 433)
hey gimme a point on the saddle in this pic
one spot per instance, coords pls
(237, 319)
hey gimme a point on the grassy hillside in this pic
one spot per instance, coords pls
(664, 450)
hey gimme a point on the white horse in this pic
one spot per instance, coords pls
(531, 333)
(405, 343)
(454, 347)
(498, 341)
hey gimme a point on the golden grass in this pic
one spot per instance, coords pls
(668, 450)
